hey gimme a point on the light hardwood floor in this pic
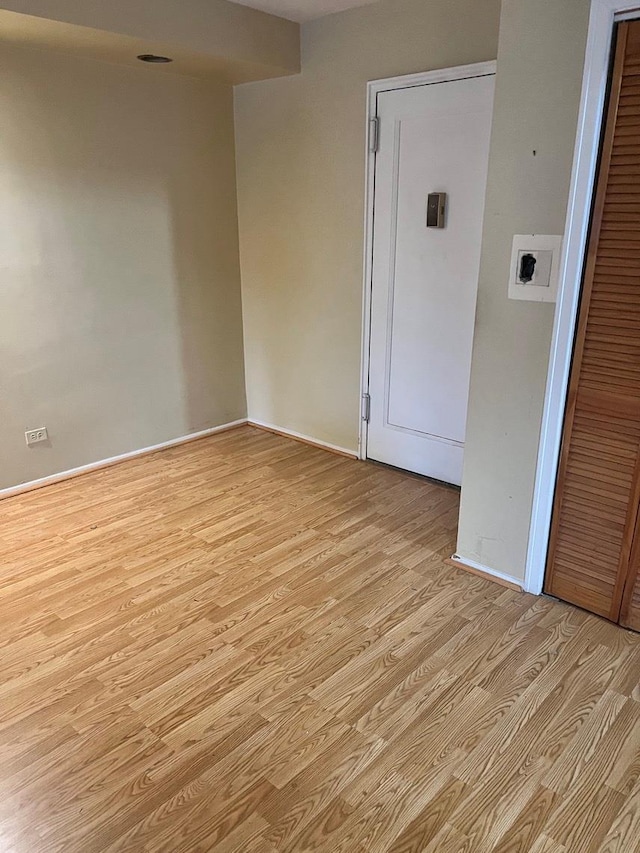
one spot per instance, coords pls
(247, 644)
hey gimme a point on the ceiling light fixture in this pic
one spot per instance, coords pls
(151, 57)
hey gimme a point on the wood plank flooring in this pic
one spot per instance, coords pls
(247, 644)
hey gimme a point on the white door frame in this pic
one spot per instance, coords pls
(604, 13)
(374, 88)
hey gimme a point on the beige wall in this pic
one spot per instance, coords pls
(540, 64)
(120, 316)
(216, 29)
(300, 160)
(120, 319)
(300, 166)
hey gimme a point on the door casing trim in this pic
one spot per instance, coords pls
(374, 88)
(603, 16)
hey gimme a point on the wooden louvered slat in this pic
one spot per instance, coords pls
(624, 257)
(607, 270)
(628, 111)
(611, 292)
(629, 128)
(622, 220)
(617, 242)
(612, 299)
(627, 133)
(625, 155)
(614, 244)
(620, 354)
(622, 381)
(606, 306)
(592, 549)
(613, 231)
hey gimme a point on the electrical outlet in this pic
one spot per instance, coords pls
(35, 436)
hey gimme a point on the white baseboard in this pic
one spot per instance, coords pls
(105, 463)
(490, 574)
(307, 439)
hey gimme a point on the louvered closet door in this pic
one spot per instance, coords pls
(596, 505)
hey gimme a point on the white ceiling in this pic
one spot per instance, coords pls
(302, 10)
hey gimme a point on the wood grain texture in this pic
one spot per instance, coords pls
(250, 645)
(592, 558)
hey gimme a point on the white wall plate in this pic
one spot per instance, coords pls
(535, 267)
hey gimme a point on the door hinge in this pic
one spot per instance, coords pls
(366, 408)
(374, 134)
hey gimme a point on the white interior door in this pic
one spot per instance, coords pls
(432, 138)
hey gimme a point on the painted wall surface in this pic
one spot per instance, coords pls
(209, 27)
(120, 314)
(300, 160)
(540, 65)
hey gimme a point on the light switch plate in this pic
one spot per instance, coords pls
(539, 255)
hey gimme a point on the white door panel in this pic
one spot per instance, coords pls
(433, 138)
